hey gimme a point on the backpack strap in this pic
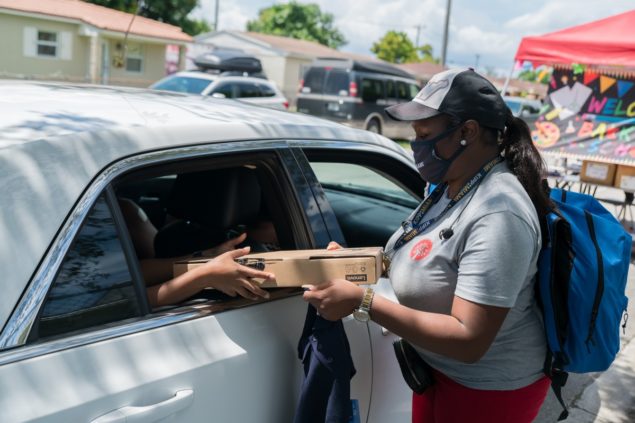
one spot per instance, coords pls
(558, 380)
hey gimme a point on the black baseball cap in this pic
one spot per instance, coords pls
(461, 93)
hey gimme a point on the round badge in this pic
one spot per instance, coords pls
(421, 249)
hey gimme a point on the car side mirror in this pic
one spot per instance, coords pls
(219, 95)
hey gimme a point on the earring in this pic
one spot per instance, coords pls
(463, 143)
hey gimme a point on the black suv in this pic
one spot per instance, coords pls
(356, 93)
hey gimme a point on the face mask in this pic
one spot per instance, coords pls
(431, 167)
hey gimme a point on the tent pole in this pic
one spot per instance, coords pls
(509, 76)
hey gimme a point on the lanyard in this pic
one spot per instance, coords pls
(416, 225)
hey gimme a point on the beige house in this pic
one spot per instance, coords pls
(71, 40)
(284, 59)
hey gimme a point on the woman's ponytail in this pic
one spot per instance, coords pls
(525, 162)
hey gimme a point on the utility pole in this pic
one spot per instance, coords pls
(478, 56)
(216, 16)
(419, 28)
(444, 48)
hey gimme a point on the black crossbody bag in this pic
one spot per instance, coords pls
(416, 372)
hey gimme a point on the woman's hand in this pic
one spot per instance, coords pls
(334, 299)
(224, 274)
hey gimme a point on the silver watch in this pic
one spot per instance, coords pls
(362, 313)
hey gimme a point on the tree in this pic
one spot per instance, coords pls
(396, 47)
(301, 21)
(173, 12)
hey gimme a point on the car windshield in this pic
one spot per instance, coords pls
(182, 84)
(514, 106)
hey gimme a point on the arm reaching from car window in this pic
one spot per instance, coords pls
(221, 272)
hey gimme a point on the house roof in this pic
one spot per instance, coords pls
(291, 46)
(99, 17)
(423, 70)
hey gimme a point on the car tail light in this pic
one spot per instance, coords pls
(286, 104)
(352, 89)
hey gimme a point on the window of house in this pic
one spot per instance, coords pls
(47, 44)
(134, 58)
(94, 285)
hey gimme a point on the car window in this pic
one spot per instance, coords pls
(247, 89)
(390, 89)
(368, 204)
(336, 82)
(403, 93)
(372, 89)
(94, 285)
(225, 88)
(414, 90)
(183, 84)
(314, 81)
(349, 176)
(266, 90)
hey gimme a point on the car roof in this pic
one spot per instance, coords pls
(56, 138)
(214, 77)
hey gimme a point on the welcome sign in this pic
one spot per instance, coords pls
(588, 115)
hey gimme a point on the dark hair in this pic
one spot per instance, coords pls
(525, 162)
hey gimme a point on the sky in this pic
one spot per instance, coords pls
(483, 33)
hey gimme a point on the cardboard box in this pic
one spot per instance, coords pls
(625, 178)
(300, 267)
(597, 172)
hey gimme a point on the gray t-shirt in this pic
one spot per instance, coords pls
(490, 259)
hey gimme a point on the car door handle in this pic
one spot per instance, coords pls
(149, 413)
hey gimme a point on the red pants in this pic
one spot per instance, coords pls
(450, 402)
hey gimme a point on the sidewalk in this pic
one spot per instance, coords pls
(607, 397)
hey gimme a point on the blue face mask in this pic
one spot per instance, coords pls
(431, 167)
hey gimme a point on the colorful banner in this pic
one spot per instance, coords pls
(588, 115)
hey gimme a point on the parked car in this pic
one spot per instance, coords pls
(79, 341)
(522, 107)
(356, 93)
(227, 84)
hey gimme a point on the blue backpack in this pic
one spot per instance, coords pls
(582, 274)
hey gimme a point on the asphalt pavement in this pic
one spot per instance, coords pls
(606, 397)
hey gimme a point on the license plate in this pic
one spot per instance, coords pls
(333, 107)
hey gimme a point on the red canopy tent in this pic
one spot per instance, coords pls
(609, 41)
(574, 121)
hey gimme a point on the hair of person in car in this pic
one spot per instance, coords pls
(523, 159)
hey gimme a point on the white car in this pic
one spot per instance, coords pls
(244, 88)
(79, 341)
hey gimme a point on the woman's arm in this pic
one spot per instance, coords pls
(465, 334)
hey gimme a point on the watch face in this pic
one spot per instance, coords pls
(361, 315)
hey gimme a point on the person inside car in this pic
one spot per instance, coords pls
(221, 272)
(464, 264)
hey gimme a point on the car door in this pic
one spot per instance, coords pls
(87, 348)
(364, 197)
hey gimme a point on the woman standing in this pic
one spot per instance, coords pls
(464, 263)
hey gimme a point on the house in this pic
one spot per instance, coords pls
(72, 40)
(284, 59)
(422, 71)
